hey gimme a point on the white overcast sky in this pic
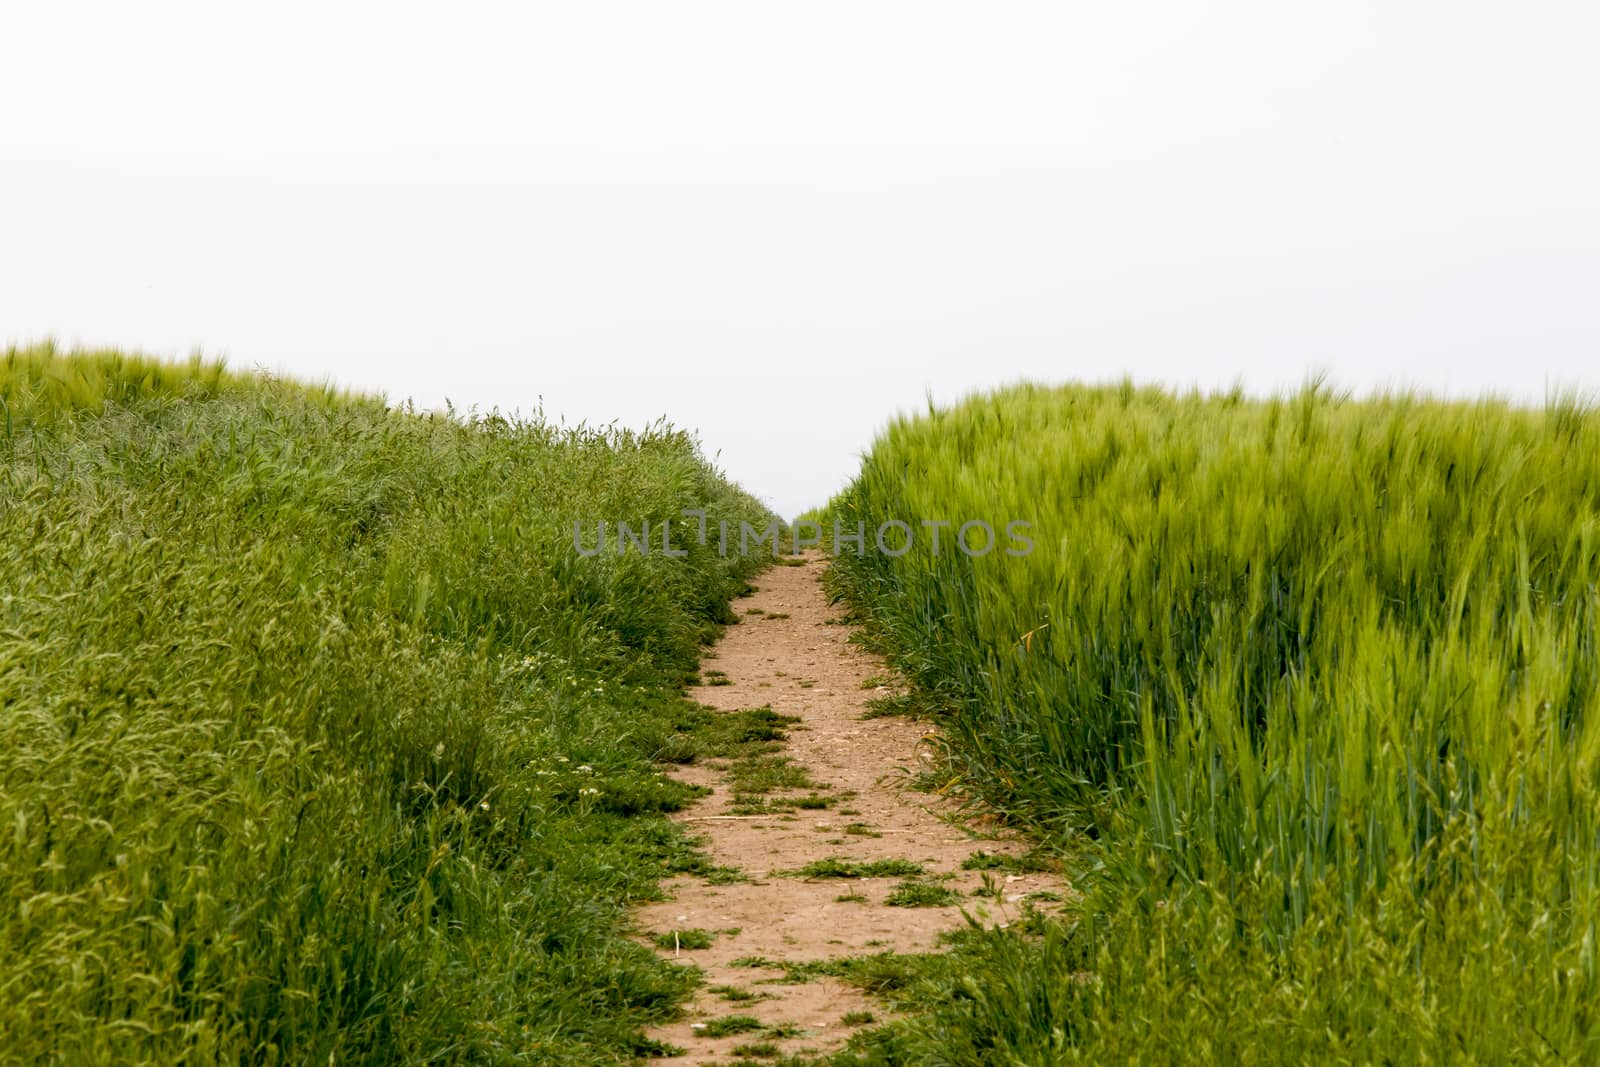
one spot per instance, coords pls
(778, 224)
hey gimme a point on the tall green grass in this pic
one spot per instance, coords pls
(320, 743)
(1310, 685)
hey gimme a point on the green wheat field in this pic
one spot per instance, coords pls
(1311, 690)
(318, 743)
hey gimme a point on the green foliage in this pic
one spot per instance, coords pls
(685, 939)
(1310, 686)
(40, 384)
(701, 731)
(756, 1050)
(752, 776)
(732, 1024)
(991, 861)
(837, 867)
(912, 893)
(736, 994)
(321, 744)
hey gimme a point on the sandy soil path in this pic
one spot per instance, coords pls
(790, 653)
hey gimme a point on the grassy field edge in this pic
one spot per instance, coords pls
(321, 741)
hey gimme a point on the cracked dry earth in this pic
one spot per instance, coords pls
(790, 653)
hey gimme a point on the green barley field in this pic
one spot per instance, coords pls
(320, 743)
(1307, 690)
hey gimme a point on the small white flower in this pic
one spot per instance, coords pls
(584, 768)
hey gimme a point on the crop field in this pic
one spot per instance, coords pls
(324, 742)
(1306, 689)
(319, 743)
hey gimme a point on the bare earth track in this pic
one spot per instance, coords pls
(790, 653)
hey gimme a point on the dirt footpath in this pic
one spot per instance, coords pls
(790, 653)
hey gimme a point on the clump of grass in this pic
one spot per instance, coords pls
(756, 1050)
(753, 780)
(649, 1046)
(837, 867)
(897, 704)
(861, 829)
(697, 732)
(920, 894)
(857, 1018)
(999, 861)
(685, 939)
(685, 859)
(756, 963)
(729, 1025)
(764, 774)
(736, 994)
(850, 898)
